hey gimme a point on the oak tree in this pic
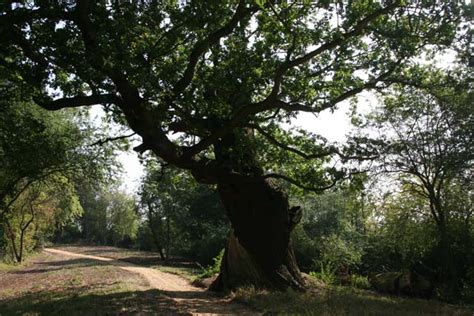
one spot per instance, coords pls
(207, 84)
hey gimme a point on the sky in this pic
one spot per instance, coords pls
(332, 125)
(132, 169)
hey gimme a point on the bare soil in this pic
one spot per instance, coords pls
(77, 280)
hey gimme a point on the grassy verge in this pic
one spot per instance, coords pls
(338, 300)
(9, 267)
(189, 273)
(5, 267)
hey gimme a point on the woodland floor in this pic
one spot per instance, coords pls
(66, 281)
(78, 280)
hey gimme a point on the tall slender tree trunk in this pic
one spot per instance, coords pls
(154, 233)
(158, 243)
(168, 237)
(259, 251)
(16, 254)
(449, 275)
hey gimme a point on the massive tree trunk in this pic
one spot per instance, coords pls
(259, 251)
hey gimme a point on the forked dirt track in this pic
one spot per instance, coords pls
(189, 298)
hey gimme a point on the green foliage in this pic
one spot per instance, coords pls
(338, 253)
(360, 281)
(403, 235)
(94, 221)
(425, 142)
(122, 218)
(182, 217)
(326, 273)
(110, 216)
(331, 231)
(42, 154)
(34, 144)
(145, 238)
(306, 248)
(38, 212)
(214, 268)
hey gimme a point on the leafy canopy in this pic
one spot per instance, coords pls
(212, 70)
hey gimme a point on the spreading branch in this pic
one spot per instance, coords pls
(298, 184)
(112, 139)
(78, 101)
(358, 29)
(277, 143)
(202, 46)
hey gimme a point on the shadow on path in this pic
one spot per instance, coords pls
(48, 266)
(166, 287)
(70, 303)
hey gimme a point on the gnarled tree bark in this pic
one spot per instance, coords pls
(259, 250)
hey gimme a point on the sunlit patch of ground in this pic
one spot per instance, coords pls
(179, 266)
(63, 281)
(57, 285)
(129, 283)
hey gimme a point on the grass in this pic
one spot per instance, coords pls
(87, 287)
(54, 286)
(5, 267)
(8, 267)
(338, 300)
(189, 273)
(113, 300)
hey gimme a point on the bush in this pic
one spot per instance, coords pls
(327, 274)
(214, 268)
(306, 249)
(339, 252)
(145, 238)
(360, 281)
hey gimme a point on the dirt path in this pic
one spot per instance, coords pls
(192, 299)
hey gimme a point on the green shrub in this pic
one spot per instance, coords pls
(327, 274)
(214, 268)
(360, 281)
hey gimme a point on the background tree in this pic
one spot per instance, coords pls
(401, 237)
(110, 216)
(93, 224)
(426, 139)
(33, 217)
(181, 215)
(40, 151)
(41, 154)
(34, 146)
(214, 71)
(123, 218)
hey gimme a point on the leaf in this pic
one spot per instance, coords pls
(261, 3)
